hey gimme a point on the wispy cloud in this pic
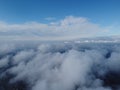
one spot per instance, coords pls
(68, 28)
(50, 18)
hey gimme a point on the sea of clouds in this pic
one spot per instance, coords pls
(59, 66)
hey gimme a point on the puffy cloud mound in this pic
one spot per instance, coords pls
(59, 66)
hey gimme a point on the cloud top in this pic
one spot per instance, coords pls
(59, 66)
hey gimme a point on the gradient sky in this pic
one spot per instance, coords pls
(103, 12)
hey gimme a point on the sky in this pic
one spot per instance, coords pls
(47, 15)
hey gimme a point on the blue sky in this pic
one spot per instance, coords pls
(103, 12)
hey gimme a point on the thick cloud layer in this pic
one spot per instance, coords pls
(65, 29)
(59, 66)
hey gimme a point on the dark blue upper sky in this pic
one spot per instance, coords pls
(100, 11)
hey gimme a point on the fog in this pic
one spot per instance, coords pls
(59, 66)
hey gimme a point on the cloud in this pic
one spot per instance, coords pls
(68, 28)
(50, 18)
(6, 48)
(23, 56)
(59, 66)
(4, 62)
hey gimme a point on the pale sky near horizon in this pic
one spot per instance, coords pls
(59, 19)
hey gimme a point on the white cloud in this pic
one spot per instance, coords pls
(44, 67)
(69, 28)
(50, 18)
(4, 62)
(23, 56)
